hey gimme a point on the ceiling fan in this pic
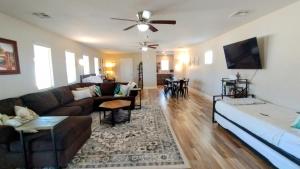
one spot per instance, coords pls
(146, 45)
(144, 23)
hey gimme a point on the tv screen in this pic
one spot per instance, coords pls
(243, 55)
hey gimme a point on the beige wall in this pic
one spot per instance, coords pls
(26, 35)
(115, 58)
(278, 35)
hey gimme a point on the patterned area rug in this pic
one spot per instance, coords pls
(146, 142)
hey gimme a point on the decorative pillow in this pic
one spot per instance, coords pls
(25, 113)
(81, 94)
(117, 89)
(123, 90)
(130, 85)
(3, 118)
(13, 122)
(91, 88)
(98, 91)
(296, 123)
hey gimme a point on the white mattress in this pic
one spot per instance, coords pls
(274, 128)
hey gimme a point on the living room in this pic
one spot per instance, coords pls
(149, 84)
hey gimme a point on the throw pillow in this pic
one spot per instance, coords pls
(117, 89)
(25, 113)
(91, 88)
(81, 94)
(123, 90)
(296, 123)
(98, 91)
(130, 85)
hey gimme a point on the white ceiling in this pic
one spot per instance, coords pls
(88, 21)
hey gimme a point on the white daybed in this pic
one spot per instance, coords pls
(265, 128)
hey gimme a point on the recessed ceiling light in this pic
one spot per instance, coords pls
(240, 13)
(41, 15)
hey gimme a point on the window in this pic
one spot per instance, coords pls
(208, 57)
(164, 64)
(43, 67)
(86, 65)
(96, 62)
(71, 67)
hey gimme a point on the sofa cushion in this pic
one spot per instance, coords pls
(7, 106)
(66, 133)
(63, 95)
(107, 89)
(74, 86)
(85, 104)
(66, 111)
(8, 134)
(40, 102)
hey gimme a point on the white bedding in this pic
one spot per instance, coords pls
(93, 79)
(267, 121)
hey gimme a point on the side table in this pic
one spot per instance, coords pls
(41, 123)
(139, 106)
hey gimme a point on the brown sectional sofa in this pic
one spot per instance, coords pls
(54, 102)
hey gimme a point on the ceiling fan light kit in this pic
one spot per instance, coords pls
(142, 27)
(144, 14)
(145, 48)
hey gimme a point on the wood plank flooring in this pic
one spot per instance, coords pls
(206, 145)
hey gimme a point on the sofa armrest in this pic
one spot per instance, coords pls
(8, 134)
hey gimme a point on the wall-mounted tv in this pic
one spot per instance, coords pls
(243, 55)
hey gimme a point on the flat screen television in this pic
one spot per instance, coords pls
(243, 55)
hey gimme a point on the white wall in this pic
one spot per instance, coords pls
(26, 35)
(278, 82)
(149, 69)
(115, 58)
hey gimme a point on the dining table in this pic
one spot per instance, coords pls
(173, 84)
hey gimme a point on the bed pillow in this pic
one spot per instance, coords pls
(81, 94)
(296, 123)
(93, 79)
(243, 101)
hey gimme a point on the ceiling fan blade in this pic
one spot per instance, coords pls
(151, 47)
(172, 22)
(152, 28)
(120, 19)
(154, 45)
(129, 27)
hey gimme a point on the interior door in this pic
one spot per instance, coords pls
(126, 70)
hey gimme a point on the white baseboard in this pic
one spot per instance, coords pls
(207, 96)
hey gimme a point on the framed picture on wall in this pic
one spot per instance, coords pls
(9, 59)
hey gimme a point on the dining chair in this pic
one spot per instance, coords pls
(186, 86)
(180, 88)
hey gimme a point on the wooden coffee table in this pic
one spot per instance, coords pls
(116, 116)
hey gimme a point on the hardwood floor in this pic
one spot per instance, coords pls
(206, 145)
